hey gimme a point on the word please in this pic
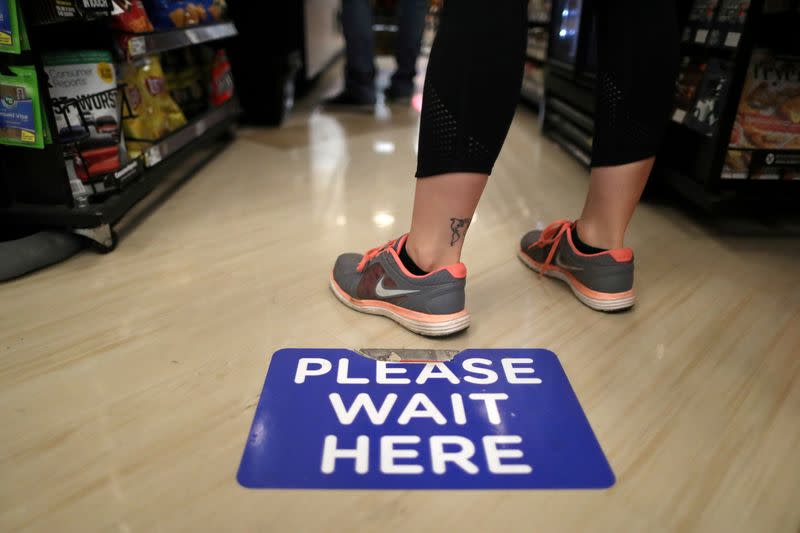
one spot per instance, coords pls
(516, 370)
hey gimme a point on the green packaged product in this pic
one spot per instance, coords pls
(20, 109)
(9, 27)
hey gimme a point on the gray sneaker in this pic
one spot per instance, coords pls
(379, 284)
(602, 281)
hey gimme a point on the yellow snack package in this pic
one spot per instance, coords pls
(153, 112)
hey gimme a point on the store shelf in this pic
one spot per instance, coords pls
(178, 151)
(186, 135)
(136, 46)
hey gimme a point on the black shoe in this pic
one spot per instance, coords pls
(346, 100)
(399, 95)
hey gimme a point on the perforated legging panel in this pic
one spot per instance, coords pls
(472, 85)
(637, 55)
(474, 76)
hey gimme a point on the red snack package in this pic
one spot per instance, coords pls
(221, 79)
(130, 16)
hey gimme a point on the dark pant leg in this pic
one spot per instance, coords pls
(637, 55)
(472, 85)
(411, 22)
(360, 48)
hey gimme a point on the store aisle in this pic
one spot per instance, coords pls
(128, 381)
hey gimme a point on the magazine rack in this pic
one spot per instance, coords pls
(692, 159)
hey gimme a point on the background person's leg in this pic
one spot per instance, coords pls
(411, 25)
(472, 88)
(360, 49)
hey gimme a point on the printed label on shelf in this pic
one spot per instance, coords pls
(137, 46)
(679, 115)
(152, 156)
(732, 39)
(200, 128)
(701, 36)
(194, 35)
(77, 186)
(486, 419)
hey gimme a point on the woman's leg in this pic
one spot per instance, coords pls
(471, 92)
(443, 210)
(613, 194)
(637, 53)
(637, 58)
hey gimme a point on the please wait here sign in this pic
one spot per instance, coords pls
(487, 419)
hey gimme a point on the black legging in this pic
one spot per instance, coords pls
(474, 75)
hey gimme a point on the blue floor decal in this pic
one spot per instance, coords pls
(488, 419)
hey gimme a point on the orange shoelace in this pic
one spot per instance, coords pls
(550, 237)
(371, 254)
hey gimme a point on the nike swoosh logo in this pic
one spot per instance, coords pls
(567, 267)
(383, 292)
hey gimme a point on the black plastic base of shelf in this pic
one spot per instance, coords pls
(115, 206)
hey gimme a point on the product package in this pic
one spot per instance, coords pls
(187, 72)
(9, 27)
(20, 108)
(701, 17)
(765, 139)
(153, 112)
(730, 23)
(44, 11)
(689, 78)
(130, 16)
(167, 14)
(84, 95)
(221, 79)
(711, 97)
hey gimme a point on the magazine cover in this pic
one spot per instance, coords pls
(711, 97)
(767, 122)
(689, 77)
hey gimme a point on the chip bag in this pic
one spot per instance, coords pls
(218, 9)
(129, 16)
(167, 14)
(153, 112)
(221, 79)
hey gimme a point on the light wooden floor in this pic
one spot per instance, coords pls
(128, 382)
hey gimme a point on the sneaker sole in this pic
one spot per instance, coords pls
(420, 323)
(598, 301)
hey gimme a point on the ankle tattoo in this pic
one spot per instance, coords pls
(458, 226)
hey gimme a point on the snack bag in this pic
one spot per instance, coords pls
(221, 79)
(218, 9)
(167, 14)
(84, 95)
(153, 111)
(20, 109)
(129, 16)
(186, 81)
(9, 27)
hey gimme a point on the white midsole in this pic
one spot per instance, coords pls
(595, 303)
(431, 329)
